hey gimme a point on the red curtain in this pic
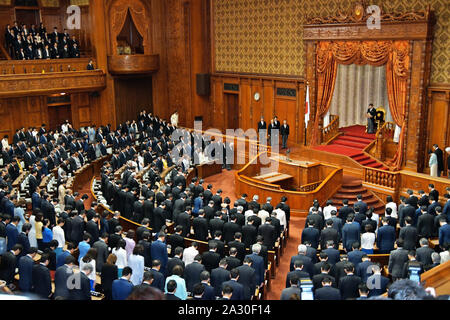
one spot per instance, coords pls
(393, 54)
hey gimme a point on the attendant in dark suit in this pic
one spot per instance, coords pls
(440, 159)
(247, 277)
(348, 285)
(42, 282)
(200, 225)
(25, 265)
(329, 234)
(121, 288)
(262, 131)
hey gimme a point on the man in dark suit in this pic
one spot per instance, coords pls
(249, 233)
(192, 272)
(239, 245)
(350, 233)
(311, 234)
(230, 228)
(93, 228)
(440, 159)
(159, 252)
(262, 131)
(232, 260)
(176, 240)
(83, 291)
(297, 272)
(425, 224)
(423, 254)
(209, 292)
(217, 223)
(175, 260)
(200, 225)
(409, 235)
(238, 288)
(41, 278)
(211, 258)
(158, 278)
(329, 234)
(184, 220)
(385, 237)
(219, 275)
(327, 292)
(247, 277)
(348, 285)
(423, 199)
(258, 263)
(324, 273)
(8, 263)
(377, 283)
(62, 275)
(308, 266)
(355, 256)
(397, 259)
(444, 232)
(267, 230)
(25, 265)
(78, 227)
(121, 288)
(284, 131)
(360, 204)
(332, 253)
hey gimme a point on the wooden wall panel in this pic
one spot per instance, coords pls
(438, 124)
(269, 104)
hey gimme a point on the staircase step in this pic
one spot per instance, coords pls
(365, 195)
(350, 185)
(360, 157)
(352, 144)
(368, 162)
(356, 139)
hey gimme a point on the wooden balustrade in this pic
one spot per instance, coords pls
(382, 178)
(331, 131)
(43, 66)
(309, 187)
(382, 147)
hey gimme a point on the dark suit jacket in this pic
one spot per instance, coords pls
(233, 262)
(348, 285)
(210, 260)
(329, 234)
(238, 289)
(84, 291)
(121, 289)
(299, 273)
(258, 265)
(158, 280)
(308, 266)
(93, 230)
(409, 236)
(317, 280)
(423, 254)
(311, 234)
(333, 255)
(218, 276)
(386, 238)
(42, 281)
(425, 226)
(327, 293)
(175, 261)
(175, 240)
(355, 257)
(229, 229)
(25, 273)
(78, 226)
(61, 276)
(249, 234)
(397, 259)
(247, 277)
(102, 254)
(7, 266)
(269, 235)
(240, 246)
(200, 226)
(159, 252)
(192, 274)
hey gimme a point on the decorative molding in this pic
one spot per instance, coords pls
(44, 84)
(133, 64)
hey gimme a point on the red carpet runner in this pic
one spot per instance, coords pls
(351, 143)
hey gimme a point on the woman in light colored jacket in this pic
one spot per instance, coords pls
(433, 163)
(136, 263)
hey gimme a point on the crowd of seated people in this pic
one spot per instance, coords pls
(32, 43)
(360, 232)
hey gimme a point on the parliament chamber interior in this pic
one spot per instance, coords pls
(238, 150)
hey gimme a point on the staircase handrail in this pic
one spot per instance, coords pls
(331, 130)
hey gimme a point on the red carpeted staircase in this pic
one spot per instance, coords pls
(351, 187)
(351, 143)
